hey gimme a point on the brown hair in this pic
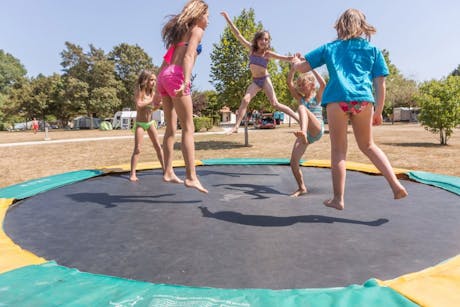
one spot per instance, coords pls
(142, 82)
(352, 23)
(258, 36)
(178, 25)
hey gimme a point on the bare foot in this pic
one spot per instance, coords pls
(172, 179)
(302, 136)
(299, 192)
(196, 185)
(133, 179)
(401, 193)
(334, 204)
(233, 130)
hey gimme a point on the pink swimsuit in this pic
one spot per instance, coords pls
(171, 77)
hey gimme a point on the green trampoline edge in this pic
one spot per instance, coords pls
(35, 186)
(50, 284)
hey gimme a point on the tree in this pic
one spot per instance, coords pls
(96, 77)
(440, 106)
(129, 60)
(456, 71)
(11, 71)
(400, 92)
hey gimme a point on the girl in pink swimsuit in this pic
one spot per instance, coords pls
(182, 36)
(258, 61)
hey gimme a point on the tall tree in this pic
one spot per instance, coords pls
(129, 60)
(96, 77)
(440, 106)
(11, 71)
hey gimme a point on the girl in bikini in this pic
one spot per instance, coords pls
(143, 98)
(259, 56)
(182, 36)
(355, 68)
(311, 119)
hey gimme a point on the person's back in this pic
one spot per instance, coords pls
(352, 65)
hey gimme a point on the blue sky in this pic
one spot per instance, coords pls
(422, 36)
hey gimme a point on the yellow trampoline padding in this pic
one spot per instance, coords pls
(143, 166)
(435, 286)
(353, 166)
(11, 255)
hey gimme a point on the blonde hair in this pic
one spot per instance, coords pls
(178, 25)
(305, 77)
(258, 36)
(142, 83)
(352, 23)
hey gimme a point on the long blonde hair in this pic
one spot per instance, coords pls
(302, 78)
(352, 24)
(178, 25)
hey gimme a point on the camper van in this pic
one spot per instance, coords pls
(125, 119)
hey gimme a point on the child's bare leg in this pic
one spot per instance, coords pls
(338, 135)
(252, 90)
(153, 134)
(138, 137)
(304, 122)
(168, 141)
(271, 95)
(297, 151)
(362, 129)
(185, 111)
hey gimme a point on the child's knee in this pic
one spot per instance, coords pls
(137, 150)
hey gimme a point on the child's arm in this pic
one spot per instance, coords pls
(139, 101)
(380, 89)
(235, 31)
(322, 85)
(280, 57)
(300, 65)
(290, 84)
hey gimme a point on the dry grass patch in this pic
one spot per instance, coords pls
(407, 146)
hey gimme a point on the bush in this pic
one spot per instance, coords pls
(202, 122)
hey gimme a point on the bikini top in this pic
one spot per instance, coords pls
(258, 60)
(169, 54)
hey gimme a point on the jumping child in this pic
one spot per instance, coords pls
(355, 68)
(259, 56)
(311, 119)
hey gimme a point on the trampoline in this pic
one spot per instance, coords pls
(229, 247)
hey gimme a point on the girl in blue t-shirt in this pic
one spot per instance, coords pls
(310, 119)
(355, 67)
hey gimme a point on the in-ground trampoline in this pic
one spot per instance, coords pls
(166, 245)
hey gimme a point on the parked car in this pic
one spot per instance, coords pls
(266, 121)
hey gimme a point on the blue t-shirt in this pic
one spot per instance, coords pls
(352, 66)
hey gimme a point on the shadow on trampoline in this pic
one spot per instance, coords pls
(281, 221)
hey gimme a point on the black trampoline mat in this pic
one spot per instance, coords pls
(247, 233)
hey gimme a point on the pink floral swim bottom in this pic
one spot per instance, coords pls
(353, 107)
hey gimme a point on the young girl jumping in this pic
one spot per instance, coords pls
(143, 97)
(354, 66)
(259, 56)
(182, 35)
(311, 119)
